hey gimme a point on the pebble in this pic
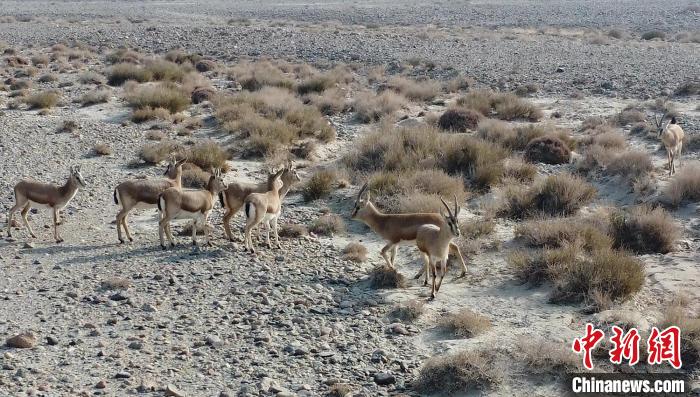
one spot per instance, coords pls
(383, 379)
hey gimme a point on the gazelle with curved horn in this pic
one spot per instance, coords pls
(143, 193)
(434, 243)
(196, 205)
(235, 194)
(30, 193)
(672, 137)
(398, 228)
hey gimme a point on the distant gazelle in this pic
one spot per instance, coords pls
(235, 194)
(267, 207)
(143, 193)
(196, 205)
(672, 137)
(29, 193)
(398, 228)
(434, 243)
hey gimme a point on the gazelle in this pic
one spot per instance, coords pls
(672, 136)
(143, 193)
(266, 207)
(235, 194)
(434, 243)
(175, 203)
(30, 193)
(398, 228)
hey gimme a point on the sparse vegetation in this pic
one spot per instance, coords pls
(556, 195)
(688, 88)
(327, 225)
(654, 34)
(590, 233)
(102, 149)
(355, 252)
(505, 106)
(123, 72)
(548, 150)
(416, 90)
(459, 119)
(385, 277)
(458, 373)
(155, 153)
(644, 230)
(465, 323)
(95, 96)
(408, 311)
(542, 356)
(685, 185)
(163, 95)
(42, 100)
(320, 185)
(369, 107)
(632, 164)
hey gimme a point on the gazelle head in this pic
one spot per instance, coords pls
(173, 164)
(451, 217)
(289, 174)
(362, 202)
(77, 176)
(216, 182)
(660, 127)
(274, 179)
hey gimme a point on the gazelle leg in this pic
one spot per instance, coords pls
(58, 217)
(24, 213)
(443, 271)
(230, 212)
(20, 202)
(126, 227)
(161, 231)
(385, 254)
(205, 221)
(424, 269)
(267, 238)
(120, 222)
(678, 154)
(454, 248)
(194, 231)
(432, 272)
(55, 226)
(274, 229)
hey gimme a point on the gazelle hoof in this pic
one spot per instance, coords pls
(163, 247)
(425, 283)
(417, 276)
(59, 241)
(121, 241)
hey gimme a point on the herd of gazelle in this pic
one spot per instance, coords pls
(432, 233)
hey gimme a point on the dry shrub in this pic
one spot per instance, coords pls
(385, 277)
(685, 185)
(208, 155)
(457, 84)
(181, 57)
(518, 170)
(421, 90)
(320, 185)
(643, 129)
(253, 76)
(355, 252)
(123, 55)
(542, 356)
(506, 106)
(632, 164)
(340, 390)
(644, 230)
(327, 225)
(102, 149)
(477, 228)
(47, 78)
(20, 84)
(123, 72)
(290, 230)
(465, 323)
(459, 119)
(578, 275)
(630, 115)
(40, 60)
(67, 127)
(590, 233)
(691, 143)
(94, 97)
(548, 150)
(163, 95)
(370, 107)
(416, 191)
(603, 135)
(329, 102)
(91, 78)
(146, 114)
(688, 88)
(194, 177)
(458, 373)
(205, 65)
(526, 89)
(155, 153)
(654, 34)
(42, 100)
(408, 311)
(162, 70)
(556, 195)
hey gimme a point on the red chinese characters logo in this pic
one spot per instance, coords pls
(665, 346)
(586, 344)
(662, 346)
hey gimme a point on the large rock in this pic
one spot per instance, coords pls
(25, 340)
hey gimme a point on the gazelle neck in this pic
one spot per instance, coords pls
(371, 216)
(178, 177)
(70, 187)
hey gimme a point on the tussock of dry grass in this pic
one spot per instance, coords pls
(163, 95)
(644, 230)
(42, 100)
(291, 230)
(155, 153)
(384, 277)
(556, 195)
(194, 177)
(459, 120)
(408, 311)
(675, 314)
(355, 252)
(124, 55)
(123, 72)
(47, 78)
(631, 164)
(320, 185)
(465, 323)
(102, 149)
(330, 102)
(548, 150)
(369, 107)
(630, 115)
(685, 185)
(95, 96)
(458, 373)
(543, 356)
(504, 106)
(208, 155)
(253, 76)
(688, 88)
(327, 225)
(477, 228)
(590, 233)
(416, 90)
(146, 114)
(578, 275)
(91, 78)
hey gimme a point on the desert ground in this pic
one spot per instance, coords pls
(537, 117)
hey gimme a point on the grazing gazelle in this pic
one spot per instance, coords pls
(32, 193)
(235, 194)
(265, 207)
(672, 136)
(398, 228)
(434, 243)
(143, 193)
(196, 205)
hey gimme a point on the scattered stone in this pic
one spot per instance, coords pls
(172, 391)
(122, 375)
(101, 384)
(25, 340)
(383, 379)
